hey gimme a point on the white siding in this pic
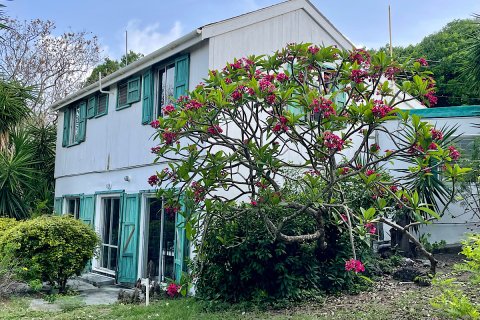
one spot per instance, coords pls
(269, 35)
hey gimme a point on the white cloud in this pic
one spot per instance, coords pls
(150, 38)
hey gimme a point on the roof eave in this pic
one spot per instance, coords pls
(174, 47)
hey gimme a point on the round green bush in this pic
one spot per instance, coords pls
(6, 223)
(50, 248)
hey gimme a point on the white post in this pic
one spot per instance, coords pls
(147, 293)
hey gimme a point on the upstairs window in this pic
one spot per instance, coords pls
(74, 124)
(97, 105)
(128, 93)
(165, 88)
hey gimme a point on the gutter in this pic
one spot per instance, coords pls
(128, 70)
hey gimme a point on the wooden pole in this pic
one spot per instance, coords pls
(390, 31)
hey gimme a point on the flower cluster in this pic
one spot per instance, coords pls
(344, 170)
(282, 77)
(360, 56)
(369, 172)
(313, 49)
(433, 146)
(423, 62)
(325, 106)
(192, 104)
(436, 134)
(454, 154)
(332, 141)
(168, 109)
(155, 124)
(432, 99)
(198, 192)
(214, 130)
(171, 212)
(281, 125)
(173, 290)
(391, 72)
(169, 137)
(354, 265)
(358, 75)
(393, 188)
(380, 109)
(156, 149)
(266, 86)
(153, 180)
(371, 228)
(374, 148)
(416, 148)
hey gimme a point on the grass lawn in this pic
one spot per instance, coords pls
(408, 303)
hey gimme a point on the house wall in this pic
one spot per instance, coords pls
(270, 35)
(116, 145)
(454, 224)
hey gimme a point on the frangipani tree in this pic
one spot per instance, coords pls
(237, 137)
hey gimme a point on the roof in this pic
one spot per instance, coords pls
(448, 112)
(200, 34)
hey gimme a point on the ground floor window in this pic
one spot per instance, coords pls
(110, 225)
(160, 237)
(73, 206)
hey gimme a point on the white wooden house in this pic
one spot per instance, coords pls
(104, 138)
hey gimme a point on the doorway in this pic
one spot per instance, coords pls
(110, 225)
(160, 238)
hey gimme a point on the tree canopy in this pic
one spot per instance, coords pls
(446, 52)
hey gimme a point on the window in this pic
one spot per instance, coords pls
(74, 124)
(73, 206)
(110, 226)
(165, 88)
(162, 86)
(128, 93)
(97, 105)
(469, 146)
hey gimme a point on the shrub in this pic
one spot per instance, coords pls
(453, 302)
(243, 262)
(50, 248)
(6, 223)
(471, 251)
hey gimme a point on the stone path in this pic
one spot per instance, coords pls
(88, 295)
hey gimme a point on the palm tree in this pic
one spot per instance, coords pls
(13, 108)
(472, 63)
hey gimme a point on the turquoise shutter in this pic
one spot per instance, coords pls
(87, 209)
(133, 90)
(147, 103)
(128, 258)
(57, 206)
(180, 248)
(66, 125)
(91, 107)
(87, 215)
(82, 126)
(340, 97)
(182, 67)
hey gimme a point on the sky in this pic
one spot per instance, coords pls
(154, 23)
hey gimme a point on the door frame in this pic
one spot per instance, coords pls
(99, 207)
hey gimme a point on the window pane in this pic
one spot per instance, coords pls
(102, 104)
(122, 94)
(115, 221)
(169, 84)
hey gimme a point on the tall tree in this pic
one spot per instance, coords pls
(446, 53)
(109, 66)
(32, 54)
(472, 63)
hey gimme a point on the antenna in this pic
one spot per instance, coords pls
(390, 31)
(126, 48)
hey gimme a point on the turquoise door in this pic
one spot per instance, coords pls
(181, 246)
(128, 248)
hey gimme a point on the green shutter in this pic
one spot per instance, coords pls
(182, 67)
(129, 233)
(82, 126)
(293, 108)
(180, 245)
(57, 207)
(91, 107)
(87, 215)
(340, 97)
(133, 90)
(87, 209)
(147, 103)
(66, 125)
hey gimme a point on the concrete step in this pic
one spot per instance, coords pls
(96, 279)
